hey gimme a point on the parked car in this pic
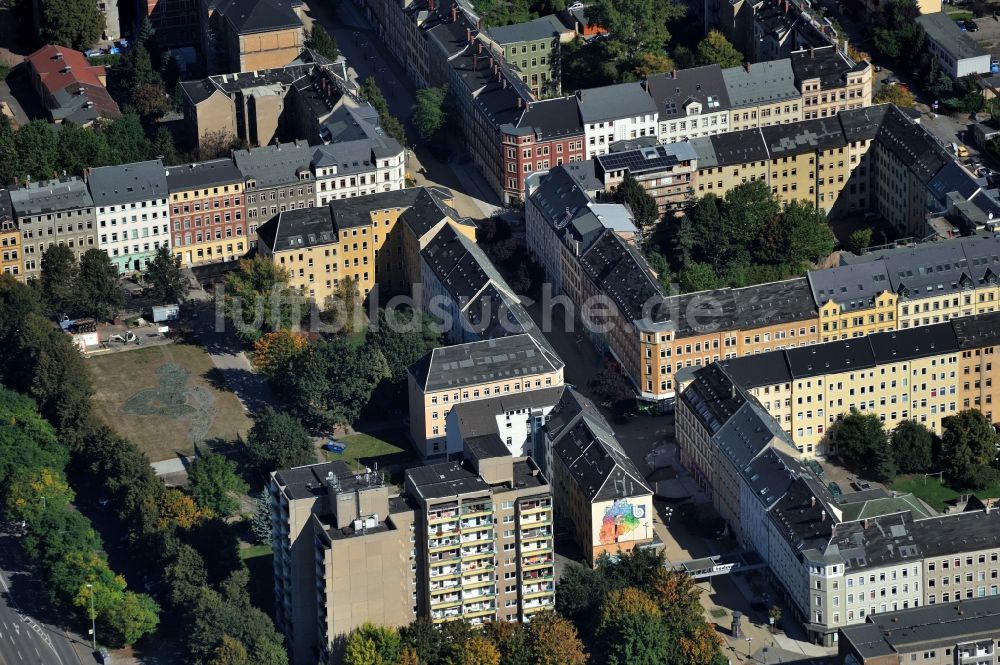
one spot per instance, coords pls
(983, 172)
(971, 26)
(334, 446)
(835, 490)
(961, 25)
(861, 485)
(890, 80)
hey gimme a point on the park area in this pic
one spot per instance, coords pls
(166, 399)
(936, 494)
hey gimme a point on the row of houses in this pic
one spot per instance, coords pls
(511, 133)
(843, 560)
(878, 155)
(204, 212)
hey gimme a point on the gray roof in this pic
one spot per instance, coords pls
(760, 83)
(612, 102)
(877, 541)
(941, 29)
(274, 165)
(740, 147)
(558, 194)
(805, 136)
(952, 178)
(705, 150)
(955, 533)
(622, 273)
(504, 358)
(427, 210)
(128, 183)
(911, 144)
(250, 16)
(851, 286)
(673, 91)
(355, 156)
(714, 397)
(827, 63)
(747, 433)
(544, 27)
(921, 628)
(303, 482)
(47, 196)
(298, 228)
(477, 420)
(977, 331)
(197, 175)
(446, 479)
(654, 158)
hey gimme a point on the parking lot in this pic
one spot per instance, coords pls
(988, 34)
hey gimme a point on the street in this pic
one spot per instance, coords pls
(25, 640)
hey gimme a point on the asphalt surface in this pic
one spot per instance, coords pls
(24, 639)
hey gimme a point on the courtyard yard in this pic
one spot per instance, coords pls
(166, 399)
(389, 450)
(936, 494)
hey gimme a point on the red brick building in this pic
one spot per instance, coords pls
(207, 212)
(547, 133)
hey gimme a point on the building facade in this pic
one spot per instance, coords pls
(830, 81)
(53, 212)
(532, 49)
(276, 178)
(207, 212)
(132, 213)
(358, 168)
(11, 256)
(956, 52)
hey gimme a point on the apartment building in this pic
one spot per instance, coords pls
(207, 212)
(514, 421)
(838, 561)
(936, 634)
(532, 49)
(762, 94)
(549, 133)
(421, 223)
(453, 375)
(175, 21)
(358, 238)
(612, 113)
(53, 212)
(853, 300)
(975, 363)
(344, 554)
(690, 103)
(249, 35)
(132, 213)
(462, 289)
(368, 164)
(11, 256)
(597, 487)
(487, 554)
(666, 172)
(957, 53)
(69, 87)
(276, 178)
(831, 81)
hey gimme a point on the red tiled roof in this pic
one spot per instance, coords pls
(59, 67)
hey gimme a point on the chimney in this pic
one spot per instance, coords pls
(468, 35)
(673, 74)
(812, 502)
(812, 52)
(822, 516)
(864, 525)
(480, 47)
(454, 13)
(504, 78)
(475, 61)
(749, 66)
(788, 6)
(520, 104)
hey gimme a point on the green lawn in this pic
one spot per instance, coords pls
(935, 493)
(254, 551)
(258, 560)
(363, 449)
(960, 15)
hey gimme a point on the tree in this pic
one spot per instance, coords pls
(75, 24)
(344, 311)
(175, 508)
(511, 640)
(133, 616)
(896, 33)
(32, 491)
(371, 93)
(899, 95)
(278, 441)
(634, 27)
(273, 352)
(648, 64)
(126, 138)
(968, 449)
(715, 49)
(697, 276)
(631, 630)
(28, 443)
(858, 438)
(80, 148)
(60, 273)
(332, 383)
(213, 482)
(859, 240)
(403, 337)
(261, 288)
(37, 150)
(99, 287)
(554, 641)
(423, 639)
(610, 384)
(479, 651)
(372, 645)
(260, 521)
(967, 96)
(229, 652)
(912, 444)
(322, 42)
(885, 462)
(643, 206)
(150, 101)
(428, 113)
(165, 278)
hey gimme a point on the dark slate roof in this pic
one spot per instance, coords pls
(551, 119)
(878, 541)
(274, 165)
(739, 147)
(977, 331)
(851, 286)
(941, 625)
(297, 229)
(828, 63)
(952, 177)
(128, 183)
(714, 397)
(199, 175)
(543, 27)
(654, 158)
(909, 343)
(250, 16)
(760, 83)
(805, 136)
(596, 461)
(800, 516)
(303, 482)
(500, 103)
(673, 91)
(459, 264)
(622, 274)
(489, 360)
(770, 475)
(446, 479)
(759, 369)
(837, 356)
(6, 209)
(747, 434)
(427, 209)
(45, 196)
(560, 196)
(570, 405)
(477, 420)
(912, 145)
(611, 102)
(862, 124)
(958, 532)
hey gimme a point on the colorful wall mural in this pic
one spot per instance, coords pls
(620, 519)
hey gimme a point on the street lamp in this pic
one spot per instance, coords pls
(93, 619)
(749, 640)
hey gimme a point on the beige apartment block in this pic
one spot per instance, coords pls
(831, 81)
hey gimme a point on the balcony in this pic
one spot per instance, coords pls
(539, 532)
(444, 571)
(535, 506)
(441, 515)
(444, 615)
(441, 543)
(482, 550)
(536, 561)
(476, 522)
(534, 590)
(537, 603)
(447, 600)
(441, 530)
(479, 592)
(477, 565)
(477, 537)
(535, 518)
(538, 546)
(443, 584)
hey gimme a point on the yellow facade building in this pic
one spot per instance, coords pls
(11, 256)
(830, 81)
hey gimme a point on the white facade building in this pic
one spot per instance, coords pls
(357, 168)
(615, 113)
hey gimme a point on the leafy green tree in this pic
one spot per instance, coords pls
(369, 644)
(80, 148)
(150, 101)
(715, 49)
(33, 491)
(403, 336)
(697, 276)
(372, 94)
(424, 639)
(229, 652)
(55, 535)
(885, 462)
(184, 576)
(322, 42)
(896, 33)
(126, 138)
(631, 630)
(165, 277)
(859, 241)
(278, 441)
(643, 206)
(260, 288)
(214, 482)
(75, 24)
(635, 27)
(858, 437)
(967, 96)
(60, 273)
(9, 164)
(28, 443)
(428, 113)
(968, 449)
(511, 640)
(130, 618)
(37, 150)
(333, 383)
(99, 286)
(804, 235)
(912, 445)
(649, 64)
(581, 589)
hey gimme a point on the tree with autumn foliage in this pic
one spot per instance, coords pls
(274, 350)
(177, 508)
(552, 640)
(479, 650)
